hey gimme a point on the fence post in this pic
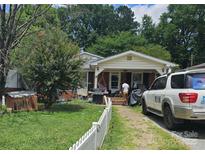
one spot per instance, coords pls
(106, 118)
(95, 125)
(105, 100)
(3, 100)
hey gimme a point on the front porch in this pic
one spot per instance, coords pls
(112, 80)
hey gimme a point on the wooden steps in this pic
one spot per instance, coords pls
(118, 101)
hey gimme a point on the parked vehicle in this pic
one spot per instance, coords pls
(177, 97)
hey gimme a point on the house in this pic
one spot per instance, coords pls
(132, 67)
(200, 66)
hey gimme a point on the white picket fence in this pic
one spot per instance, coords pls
(94, 137)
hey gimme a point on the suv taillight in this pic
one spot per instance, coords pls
(188, 97)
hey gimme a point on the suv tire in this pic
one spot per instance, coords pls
(144, 108)
(169, 119)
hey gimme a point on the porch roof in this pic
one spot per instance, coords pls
(138, 54)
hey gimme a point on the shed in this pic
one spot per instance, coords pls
(22, 100)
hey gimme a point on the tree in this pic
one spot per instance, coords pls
(181, 31)
(14, 25)
(199, 52)
(125, 20)
(154, 50)
(84, 23)
(148, 28)
(49, 62)
(124, 41)
(116, 43)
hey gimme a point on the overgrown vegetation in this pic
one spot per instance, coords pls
(58, 128)
(51, 63)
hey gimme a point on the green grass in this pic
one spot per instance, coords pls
(59, 128)
(118, 136)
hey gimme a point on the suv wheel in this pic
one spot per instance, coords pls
(144, 108)
(169, 119)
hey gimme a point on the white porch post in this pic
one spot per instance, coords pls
(96, 82)
(98, 70)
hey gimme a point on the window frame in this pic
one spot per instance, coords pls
(158, 79)
(184, 84)
(111, 74)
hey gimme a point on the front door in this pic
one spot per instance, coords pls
(126, 78)
(114, 81)
(137, 79)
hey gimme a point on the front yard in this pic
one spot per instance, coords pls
(58, 128)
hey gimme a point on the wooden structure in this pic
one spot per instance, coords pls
(119, 101)
(66, 95)
(21, 100)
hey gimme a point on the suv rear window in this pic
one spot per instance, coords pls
(177, 81)
(196, 81)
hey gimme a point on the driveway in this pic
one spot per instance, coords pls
(192, 133)
(141, 132)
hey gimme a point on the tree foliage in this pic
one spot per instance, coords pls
(50, 63)
(148, 28)
(84, 23)
(124, 41)
(15, 22)
(182, 31)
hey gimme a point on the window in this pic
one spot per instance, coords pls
(196, 81)
(177, 81)
(114, 80)
(84, 80)
(136, 79)
(129, 57)
(159, 83)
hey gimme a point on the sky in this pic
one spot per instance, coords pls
(153, 10)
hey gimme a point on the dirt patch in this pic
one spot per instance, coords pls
(138, 122)
(144, 134)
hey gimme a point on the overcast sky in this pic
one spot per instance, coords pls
(153, 10)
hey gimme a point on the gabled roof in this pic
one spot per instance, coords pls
(197, 66)
(91, 54)
(136, 54)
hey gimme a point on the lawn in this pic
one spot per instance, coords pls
(58, 128)
(118, 136)
(125, 133)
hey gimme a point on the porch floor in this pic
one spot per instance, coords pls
(119, 101)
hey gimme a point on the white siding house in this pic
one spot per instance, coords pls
(131, 67)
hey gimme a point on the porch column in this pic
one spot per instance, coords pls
(96, 82)
(98, 70)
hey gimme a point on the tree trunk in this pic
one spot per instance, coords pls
(3, 70)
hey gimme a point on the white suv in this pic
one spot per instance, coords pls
(177, 97)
